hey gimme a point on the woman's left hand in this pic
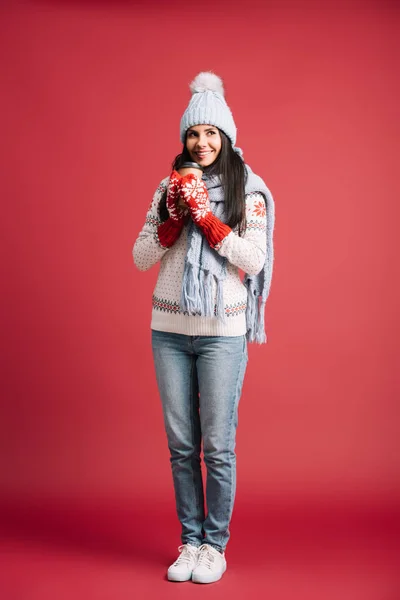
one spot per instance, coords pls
(195, 196)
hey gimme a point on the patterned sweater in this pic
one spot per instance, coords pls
(245, 253)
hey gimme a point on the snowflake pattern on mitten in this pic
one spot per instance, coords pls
(175, 212)
(195, 195)
(169, 231)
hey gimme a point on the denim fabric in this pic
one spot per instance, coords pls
(200, 381)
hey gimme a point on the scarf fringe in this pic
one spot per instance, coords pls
(206, 290)
(190, 296)
(220, 309)
(197, 297)
(255, 318)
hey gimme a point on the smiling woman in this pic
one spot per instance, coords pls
(203, 144)
(205, 224)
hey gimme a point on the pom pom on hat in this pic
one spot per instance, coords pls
(207, 81)
(208, 106)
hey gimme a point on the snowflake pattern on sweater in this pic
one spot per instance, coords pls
(245, 253)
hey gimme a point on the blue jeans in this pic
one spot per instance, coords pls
(200, 381)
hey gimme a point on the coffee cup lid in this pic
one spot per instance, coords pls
(191, 165)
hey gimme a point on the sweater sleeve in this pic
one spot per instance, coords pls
(147, 250)
(248, 252)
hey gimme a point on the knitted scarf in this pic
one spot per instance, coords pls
(203, 265)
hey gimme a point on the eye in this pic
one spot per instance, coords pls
(192, 134)
(211, 132)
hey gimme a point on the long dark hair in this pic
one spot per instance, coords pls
(230, 167)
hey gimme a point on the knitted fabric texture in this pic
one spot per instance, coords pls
(207, 106)
(169, 232)
(204, 264)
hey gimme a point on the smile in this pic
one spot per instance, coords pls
(201, 154)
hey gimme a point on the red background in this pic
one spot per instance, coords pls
(92, 94)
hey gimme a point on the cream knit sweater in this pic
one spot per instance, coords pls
(245, 253)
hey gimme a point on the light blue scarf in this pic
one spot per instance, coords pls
(203, 265)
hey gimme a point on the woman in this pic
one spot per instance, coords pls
(206, 221)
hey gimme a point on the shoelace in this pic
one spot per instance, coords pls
(205, 557)
(187, 555)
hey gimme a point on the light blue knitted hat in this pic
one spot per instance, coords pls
(207, 106)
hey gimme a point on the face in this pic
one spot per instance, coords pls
(203, 143)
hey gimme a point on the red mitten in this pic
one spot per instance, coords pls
(195, 195)
(170, 230)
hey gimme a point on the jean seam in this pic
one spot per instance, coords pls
(192, 419)
(238, 386)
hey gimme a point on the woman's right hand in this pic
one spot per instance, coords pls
(176, 208)
(170, 230)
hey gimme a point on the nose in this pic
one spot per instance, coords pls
(201, 141)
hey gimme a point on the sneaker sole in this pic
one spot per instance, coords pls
(203, 579)
(179, 577)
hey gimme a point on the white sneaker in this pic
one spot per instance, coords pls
(181, 569)
(211, 565)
